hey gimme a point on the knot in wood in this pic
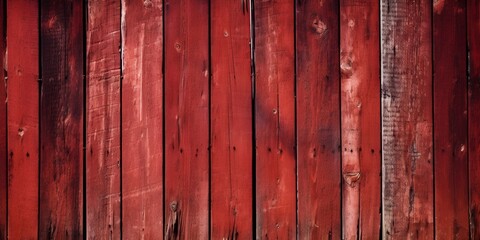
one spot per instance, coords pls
(351, 178)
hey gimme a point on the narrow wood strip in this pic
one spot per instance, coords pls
(3, 124)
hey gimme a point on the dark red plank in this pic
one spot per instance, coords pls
(360, 118)
(275, 119)
(473, 31)
(231, 121)
(142, 139)
(450, 118)
(186, 119)
(61, 118)
(22, 92)
(3, 125)
(406, 67)
(103, 120)
(318, 120)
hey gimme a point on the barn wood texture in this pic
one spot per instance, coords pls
(450, 120)
(23, 118)
(187, 119)
(61, 120)
(318, 119)
(275, 119)
(231, 121)
(473, 36)
(360, 118)
(236, 119)
(142, 120)
(103, 154)
(406, 67)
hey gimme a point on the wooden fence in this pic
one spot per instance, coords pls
(231, 119)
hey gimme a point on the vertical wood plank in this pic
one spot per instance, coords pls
(360, 118)
(450, 119)
(318, 120)
(61, 118)
(103, 120)
(406, 67)
(186, 119)
(3, 124)
(473, 33)
(142, 120)
(231, 121)
(22, 92)
(275, 119)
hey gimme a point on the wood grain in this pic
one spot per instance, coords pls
(142, 120)
(61, 120)
(103, 120)
(318, 120)
(406, 65)
(360, 118)
(22, 114)
(450, 120)
(275, 119)
(231, 121)
(473, 36)
(3, 124)
(186, 119)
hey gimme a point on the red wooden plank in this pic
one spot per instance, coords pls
(407, 119)
(275, 119)
(3, 125)
(318, 120)
(22, 91)
(61, 118)
(473, 33)
(360, 118)
(142, 139)
(231, 121)
(103, 120)
(186, 119)
(450, 118)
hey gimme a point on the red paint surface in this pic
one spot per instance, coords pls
(231, 121)
(22, 92)
(275, 119)
(103, 120)
(360, 114)
(61, 118)
(142, 138)
(3, 127)
(186, 119)
(318, 120)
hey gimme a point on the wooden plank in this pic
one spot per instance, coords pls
(61, 120)
(406, 65)
(3, 124)
(318, 120)
(142, 123)
(231, 121)
(275, 119)
(186, 119)
(360, 118)
(22, 114)
(103, 120)
(450, 118)
(473, 36)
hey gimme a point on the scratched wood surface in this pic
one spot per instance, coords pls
(275, 119)
(406, 66)
(103, 154)
(450, 120)
(22, 115)
(142, 123)
(360, 118)
(318, 115)
(231, 121)
(3, 124)
(473, 36)
(61, 120)
(187, 119)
